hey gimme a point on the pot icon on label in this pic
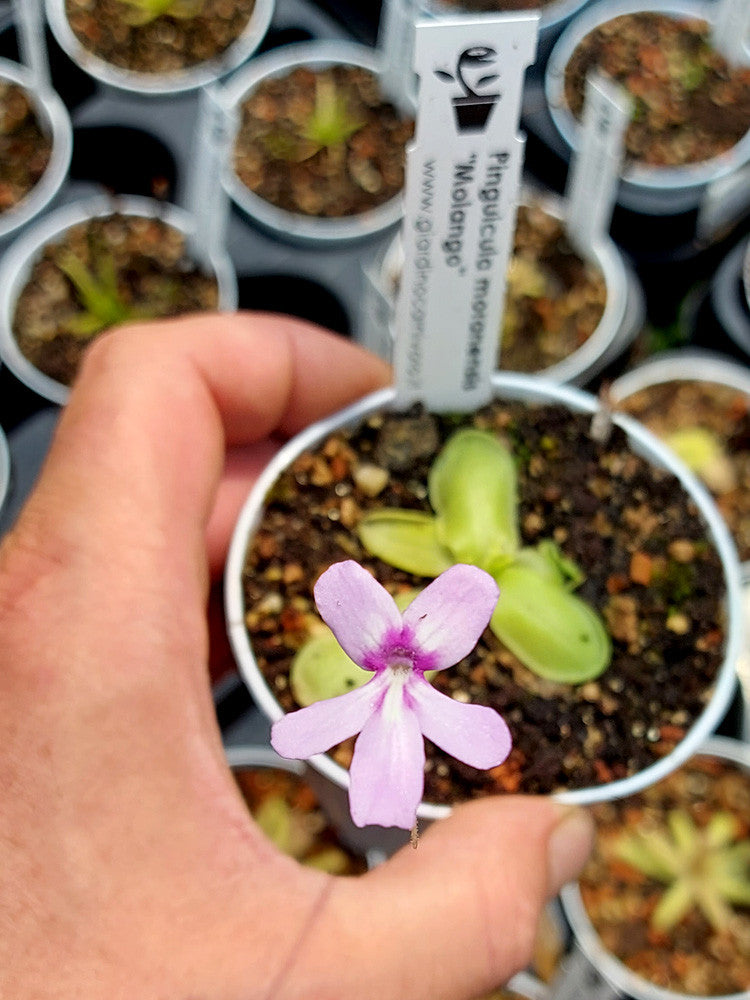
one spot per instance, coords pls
(473, 109)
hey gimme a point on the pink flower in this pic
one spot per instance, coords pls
(393, 711)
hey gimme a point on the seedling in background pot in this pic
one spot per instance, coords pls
(472, 488)
(328, 127)
(141, 12)
(706, 867)
(103, 304)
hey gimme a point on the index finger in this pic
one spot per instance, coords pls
(140, 447)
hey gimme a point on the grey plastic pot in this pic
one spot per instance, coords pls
(21, 255)
(178, 81)
(652, 190)
(291, 226)
(55, 122)
(619, 976)
(622, 318)
(507, 386)
(684, 365)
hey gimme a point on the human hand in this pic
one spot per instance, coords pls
(129, 865)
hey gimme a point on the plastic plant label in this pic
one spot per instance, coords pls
(207, 200)
(462, 179)
(595, 170)
(731, 34)
(31, 41)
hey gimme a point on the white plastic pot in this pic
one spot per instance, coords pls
(683, 366)
(622, 979)
(553, 18)
(154, 84)
(643, 188)
(5, 469)
(293, 226)
(20, 257)
(622, 317)
(506, 386)
(55, 122)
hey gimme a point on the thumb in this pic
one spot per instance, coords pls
(455, 918)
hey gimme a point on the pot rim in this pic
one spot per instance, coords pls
(746, 273)
(294, 226)
(5, 468)
(582, 363)
(611, 968)
(551, 15)
(510, 385)
(686, 365)
(54, 119)
(154, 84)
(654, 179)
(20, 256)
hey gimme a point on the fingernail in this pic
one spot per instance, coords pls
(568, 848)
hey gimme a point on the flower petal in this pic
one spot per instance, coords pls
(356, 608)
(450, 614)
(320, 726)
(475, 734)
(387, 770)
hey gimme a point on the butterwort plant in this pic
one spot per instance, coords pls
(473, 491)
(398, 706)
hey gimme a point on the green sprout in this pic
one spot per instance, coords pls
(143, 12)
(705, 867)
(472, 488)
(328, 127)
(100, 296)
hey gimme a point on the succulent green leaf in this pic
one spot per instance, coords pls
(142, 12)
(331, 122)
(406, 539)
(321, 669)
(650, 853)
(331, 860)
(473, 490)
(676, 902)
(550, 630)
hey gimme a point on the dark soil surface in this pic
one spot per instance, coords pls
(694, 957)
(24, 149)
(630, 528)
(272, 158)
(155, 277)
(689, 103)
(164, 45)
(554, 298)
(725, 412)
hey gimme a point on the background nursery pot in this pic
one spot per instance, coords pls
(5, 469)
(658, 392)
(298, 227)
(513, 393)
(54, 123)
(658, 190)
(172, 80)
(20, 258)
(621, 314)
(698, 796)
(554, 14)
(294, 818)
